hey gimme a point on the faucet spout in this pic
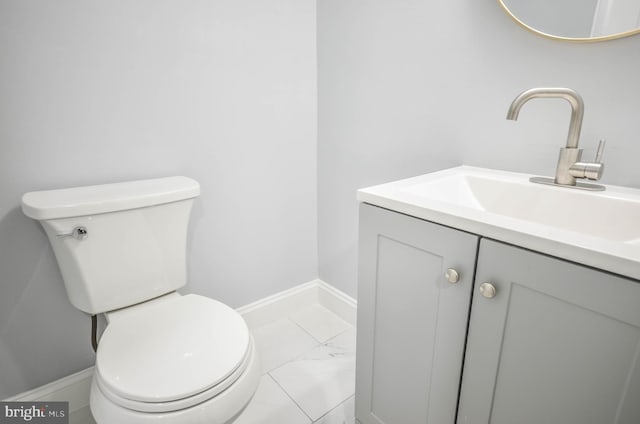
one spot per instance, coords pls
(570, 167)
(574, 99)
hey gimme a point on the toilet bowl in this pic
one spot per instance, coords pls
(175, 359)
(163, 357)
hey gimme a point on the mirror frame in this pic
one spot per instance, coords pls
(572, 39)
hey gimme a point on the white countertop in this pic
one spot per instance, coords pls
(599, 229)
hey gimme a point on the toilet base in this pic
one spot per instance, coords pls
(221, 409)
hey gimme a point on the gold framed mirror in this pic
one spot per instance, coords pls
(576, 20)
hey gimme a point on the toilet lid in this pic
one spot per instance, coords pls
(172, 349)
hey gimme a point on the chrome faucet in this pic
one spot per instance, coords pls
(569, 165)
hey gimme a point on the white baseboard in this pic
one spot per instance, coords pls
(337, 302)
(75, 388)
(280, 305)
(283, 304)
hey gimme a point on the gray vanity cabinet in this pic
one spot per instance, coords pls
(558, 344)
(411, 320)
(549, 341)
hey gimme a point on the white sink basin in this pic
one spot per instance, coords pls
(601, 229)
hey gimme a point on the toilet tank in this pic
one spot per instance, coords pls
(133, 246)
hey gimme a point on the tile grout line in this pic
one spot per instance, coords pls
(295, 359)
(305, 330)
(334, 408)
(289, 396)
(300, 356)
(330, 338)
(326, 343)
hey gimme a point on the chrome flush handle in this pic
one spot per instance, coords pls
(78, 233)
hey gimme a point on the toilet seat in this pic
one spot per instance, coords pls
(220, 409)
(179, 404)
(171, 353)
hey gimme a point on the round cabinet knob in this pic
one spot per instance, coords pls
(452, 276)
(487, 290)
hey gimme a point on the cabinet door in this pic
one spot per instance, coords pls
(558, 344)
(411, 321)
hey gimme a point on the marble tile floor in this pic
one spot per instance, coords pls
(308, 365)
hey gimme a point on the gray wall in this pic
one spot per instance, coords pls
(104, 91)
(413, 86)
(225, 92)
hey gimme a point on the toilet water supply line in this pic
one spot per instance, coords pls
(94, 331)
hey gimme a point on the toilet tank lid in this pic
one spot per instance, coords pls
(91, 200)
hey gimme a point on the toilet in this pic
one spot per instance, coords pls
(163, 357)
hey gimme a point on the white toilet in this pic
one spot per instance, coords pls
(163, 358)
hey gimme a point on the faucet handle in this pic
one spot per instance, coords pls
(590, 170)
(600, 150)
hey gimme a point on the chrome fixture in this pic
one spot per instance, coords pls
(78, 233)
(569, 166)
(452, 276)
(488, 290)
